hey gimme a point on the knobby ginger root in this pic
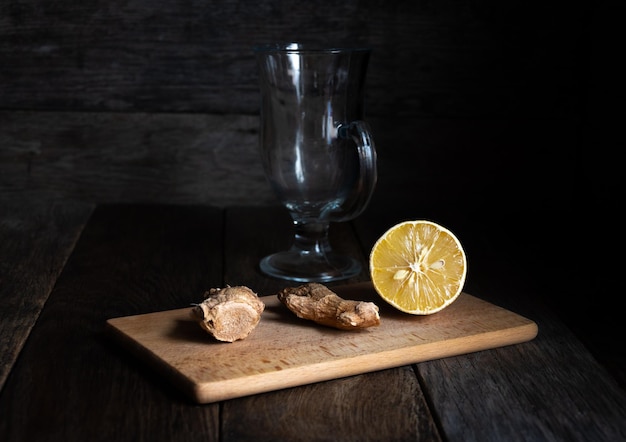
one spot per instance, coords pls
(229, 314)
(318, 303)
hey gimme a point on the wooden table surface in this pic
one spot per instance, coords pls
(68, 267)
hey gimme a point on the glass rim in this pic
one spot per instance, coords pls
(300, 48)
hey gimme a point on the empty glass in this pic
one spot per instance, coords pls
(317, 152)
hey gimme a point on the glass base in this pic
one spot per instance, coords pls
(297, 266)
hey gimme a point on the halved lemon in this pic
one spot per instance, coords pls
(418, 267)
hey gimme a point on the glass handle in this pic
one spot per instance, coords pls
(359, 131)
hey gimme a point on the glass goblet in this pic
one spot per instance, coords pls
(317, 152)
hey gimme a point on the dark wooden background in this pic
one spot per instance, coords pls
(487, 103)
(472, 95)
(431, 59)
(491, 117)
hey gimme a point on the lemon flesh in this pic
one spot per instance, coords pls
(419, 267)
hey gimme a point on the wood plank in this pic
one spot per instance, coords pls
(284, 352)
(450, 58)
(36, 238)
(538, 390)
(213, 160)
(70, 383)
(384, 405)
(110, 158)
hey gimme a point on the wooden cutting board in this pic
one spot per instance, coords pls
(285, 351)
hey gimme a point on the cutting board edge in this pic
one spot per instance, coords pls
(205, 392)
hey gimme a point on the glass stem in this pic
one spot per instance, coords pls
(311, 238)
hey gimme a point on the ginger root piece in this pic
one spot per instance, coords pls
(229, 314)
(318, 303)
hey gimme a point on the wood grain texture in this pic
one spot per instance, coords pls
(144, 158)
(461, 167)
(69, 382)
(430, 59)
(36, 239)
(356, 409)
(538, 395)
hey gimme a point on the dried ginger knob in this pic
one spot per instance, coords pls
(318, 303)
(229, 314)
